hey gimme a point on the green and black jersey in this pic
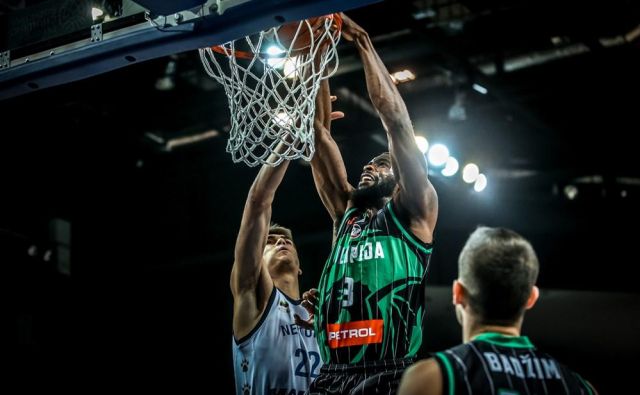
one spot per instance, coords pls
(371, 293)
(505, 365)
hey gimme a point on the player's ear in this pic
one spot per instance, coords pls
(533, 297)
(459, 293)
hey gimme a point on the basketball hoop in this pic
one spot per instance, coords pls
(271, 79)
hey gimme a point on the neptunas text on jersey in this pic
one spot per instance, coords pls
(294, 329)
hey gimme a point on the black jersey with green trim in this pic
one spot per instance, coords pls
(497, 364)
(371, 293)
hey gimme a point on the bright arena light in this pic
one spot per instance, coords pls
(450, 167)
(283, 119)
(274, 50)
(291, 67)
(438, 154)
(481, 183)
(275, 60)
(570, 191)
(403, 76)
(470, 173)
(422, 143)
(480, 89)
(96, 13)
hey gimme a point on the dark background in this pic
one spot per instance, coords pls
(153, 230)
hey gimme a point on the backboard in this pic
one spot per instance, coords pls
(59, 41)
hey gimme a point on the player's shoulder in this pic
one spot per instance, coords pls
(421, 372)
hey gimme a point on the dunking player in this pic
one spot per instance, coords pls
(370, 297)
(271, 354)
(497, 272)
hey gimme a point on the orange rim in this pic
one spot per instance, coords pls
(221, 49)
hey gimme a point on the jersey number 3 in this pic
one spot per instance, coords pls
(347, 292)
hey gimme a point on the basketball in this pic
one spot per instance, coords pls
(306, 30)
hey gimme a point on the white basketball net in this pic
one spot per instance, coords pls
(272, 89)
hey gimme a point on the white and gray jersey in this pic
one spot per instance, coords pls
(277, 356)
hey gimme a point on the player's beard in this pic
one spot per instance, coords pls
(374, 195)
